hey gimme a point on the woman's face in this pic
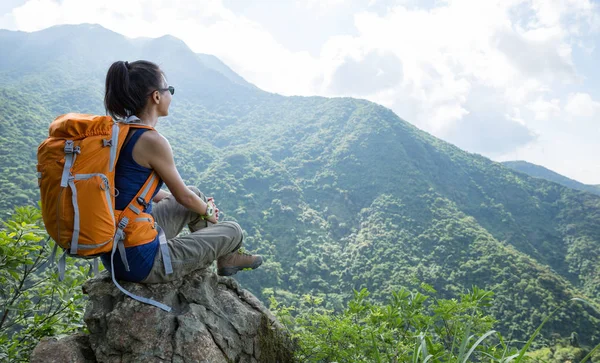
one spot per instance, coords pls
(165, 98)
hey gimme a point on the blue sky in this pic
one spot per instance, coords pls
(509, 79)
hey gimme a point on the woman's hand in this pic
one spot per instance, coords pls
(215, 217)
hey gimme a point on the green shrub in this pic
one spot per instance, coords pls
(33, 303)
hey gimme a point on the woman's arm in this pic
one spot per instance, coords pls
(160, 196)
(159, 155)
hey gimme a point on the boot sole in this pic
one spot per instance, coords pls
(229, 271)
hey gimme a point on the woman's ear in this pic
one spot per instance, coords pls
(156, 97)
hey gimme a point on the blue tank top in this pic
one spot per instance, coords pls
(129, 178)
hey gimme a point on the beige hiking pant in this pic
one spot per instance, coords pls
(194, 251)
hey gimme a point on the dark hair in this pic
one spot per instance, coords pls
(128, 86)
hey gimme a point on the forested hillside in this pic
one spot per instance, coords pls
(338, 194)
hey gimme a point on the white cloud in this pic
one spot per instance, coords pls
(320, 4)
(544, 110)
(551, 13)
(571, 155)
(569, 142)
(443, 52)
(581, 106)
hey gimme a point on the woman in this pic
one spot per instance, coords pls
(139, 91)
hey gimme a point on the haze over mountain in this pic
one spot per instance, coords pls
(538, 171)
(338, 194)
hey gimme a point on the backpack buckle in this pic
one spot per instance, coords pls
(142, 202)
(123, 223)
(69, 147)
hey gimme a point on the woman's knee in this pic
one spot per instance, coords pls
(236, 230)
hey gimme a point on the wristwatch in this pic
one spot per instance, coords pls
(210, 210)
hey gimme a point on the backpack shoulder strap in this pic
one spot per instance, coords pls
(135, 207)
(143, 198)
(120, 131)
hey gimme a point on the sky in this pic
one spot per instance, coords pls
(508, 79)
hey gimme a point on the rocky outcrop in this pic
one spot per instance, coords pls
(72, 349)
(213, 320)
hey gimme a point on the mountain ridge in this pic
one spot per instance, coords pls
(538, 171)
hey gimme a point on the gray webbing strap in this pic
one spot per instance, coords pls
(147, 188)
(134, 209)
(75, 237)
(53, 255)
(120, 242)
(131, 119)
(94, 269)
(135, 297)
(164, 250)
(62, 264)
(69, 156)
(113, 147)
(123, 253)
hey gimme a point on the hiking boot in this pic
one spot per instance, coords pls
(231, 263)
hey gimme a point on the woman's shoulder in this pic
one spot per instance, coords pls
(153, 140)
(151, 136)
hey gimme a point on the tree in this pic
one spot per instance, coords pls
(33, 303)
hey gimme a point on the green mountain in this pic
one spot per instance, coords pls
(338, 194)
(537, 171)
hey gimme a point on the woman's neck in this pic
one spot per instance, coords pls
(148, 118)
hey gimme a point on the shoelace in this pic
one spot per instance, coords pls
(239, 252)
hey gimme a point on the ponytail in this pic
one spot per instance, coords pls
(128, 86)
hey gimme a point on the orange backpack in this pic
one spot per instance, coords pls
(76, 176)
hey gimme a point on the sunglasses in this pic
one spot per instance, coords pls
(171, 90)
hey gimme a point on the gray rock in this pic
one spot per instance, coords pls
(213, 320)
(71, 349)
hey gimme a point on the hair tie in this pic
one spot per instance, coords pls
(127, 64)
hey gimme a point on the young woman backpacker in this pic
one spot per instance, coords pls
(138, 92)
